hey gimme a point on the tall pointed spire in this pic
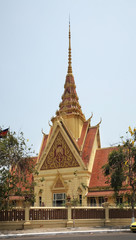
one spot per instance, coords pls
(69, 52)
(69, 108)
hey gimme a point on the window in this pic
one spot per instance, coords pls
(101, 200)
(40, 201)
(119, 200)
(14, 203)
(129, 201)
(92, 201)
(59, 199)
(80, 200)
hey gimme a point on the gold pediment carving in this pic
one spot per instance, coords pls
(59, 156)
(59, 184)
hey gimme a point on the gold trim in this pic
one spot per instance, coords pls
(59, 156)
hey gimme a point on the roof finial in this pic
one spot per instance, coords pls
(69, 52)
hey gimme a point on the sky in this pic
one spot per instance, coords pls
(34, 60)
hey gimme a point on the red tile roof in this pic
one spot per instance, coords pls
(28, 175)
(97, 178)
(107, 193)
(100, 193)
(83, 133)
(87, 149)
(16, 198)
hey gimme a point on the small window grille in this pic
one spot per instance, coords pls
(59, 199)
(119, 200)
(93, 201)
(80, 200)
(40, 201)
(101, 200)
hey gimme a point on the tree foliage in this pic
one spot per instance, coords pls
(121, 167)
(16, 169)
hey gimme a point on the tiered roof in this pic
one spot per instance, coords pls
(70, 104)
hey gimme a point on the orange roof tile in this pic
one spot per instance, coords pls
(100, 193)
(107, 193)
(84, 129)
(87, 149)
(97, 178)
(29, 176)
(16, 198)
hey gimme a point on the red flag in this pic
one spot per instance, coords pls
(3, 133)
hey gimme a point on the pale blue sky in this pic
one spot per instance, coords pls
(33, 63)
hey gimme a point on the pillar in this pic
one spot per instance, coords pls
(27, 221)
(106, 207)
(70, 221)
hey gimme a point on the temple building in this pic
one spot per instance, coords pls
(71, 157)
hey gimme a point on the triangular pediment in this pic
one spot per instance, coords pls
(60, 155)
(59, 184)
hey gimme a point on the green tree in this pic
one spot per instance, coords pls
(16, 169)
(120, 169)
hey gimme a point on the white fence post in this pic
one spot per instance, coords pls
(106, 207)
(27, 221)
(70, 221)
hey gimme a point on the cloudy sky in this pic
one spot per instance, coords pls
(34, 59)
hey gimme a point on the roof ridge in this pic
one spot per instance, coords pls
(85, 135)
(69, 134)
(105, 148)
(93, 127)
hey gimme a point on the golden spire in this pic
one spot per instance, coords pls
(69, 53)
(69, 106)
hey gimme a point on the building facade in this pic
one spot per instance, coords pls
(70, 158)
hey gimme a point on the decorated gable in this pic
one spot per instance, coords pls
(59, 156)
(59, 184)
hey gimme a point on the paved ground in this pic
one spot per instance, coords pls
(54, 231)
